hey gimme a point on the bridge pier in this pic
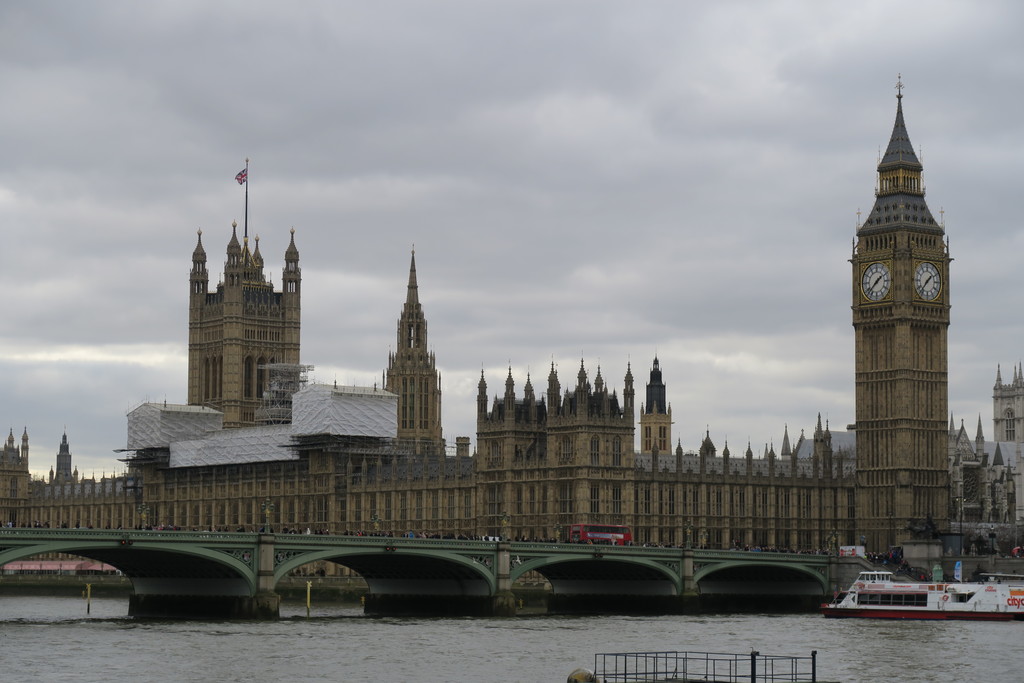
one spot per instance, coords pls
(589, 603)
(266, 604)
(257, 607)
(211, 598)
(392, 604)
(503, 604)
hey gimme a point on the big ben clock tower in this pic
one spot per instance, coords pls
(900, 320)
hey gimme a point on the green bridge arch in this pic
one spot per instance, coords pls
(709, 563)
(242, 567)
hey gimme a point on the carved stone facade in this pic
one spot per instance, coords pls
(656, 415)
(546, 462)
(900, 320)
(1008, 422)
(983, 477)
(240, 328)
(14, 479)
(412, 375)
(800, 498)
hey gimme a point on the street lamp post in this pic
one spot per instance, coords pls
(143, 511)
(959, 500)
(375, 520)
(504, 525)
(558, 533)
(689, 535)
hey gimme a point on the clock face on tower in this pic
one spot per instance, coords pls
(876, 281)
(927, 281)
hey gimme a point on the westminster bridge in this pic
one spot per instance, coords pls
(223, 574)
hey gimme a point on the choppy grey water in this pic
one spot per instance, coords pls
(52, 639)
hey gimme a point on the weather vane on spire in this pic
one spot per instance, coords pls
(899, 85)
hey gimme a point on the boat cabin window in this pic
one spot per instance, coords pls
(893, 599)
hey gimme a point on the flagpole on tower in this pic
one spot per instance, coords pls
(246, 228)
(243, 179)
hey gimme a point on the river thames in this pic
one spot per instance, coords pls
(53, 639)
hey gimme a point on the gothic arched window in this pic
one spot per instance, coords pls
(1011, 430)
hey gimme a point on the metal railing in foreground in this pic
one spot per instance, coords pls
(704, 666)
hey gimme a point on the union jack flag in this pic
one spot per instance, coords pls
(242, 176)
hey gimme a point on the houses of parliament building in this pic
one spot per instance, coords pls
(257, 445)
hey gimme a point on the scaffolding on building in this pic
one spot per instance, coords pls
(283, 380)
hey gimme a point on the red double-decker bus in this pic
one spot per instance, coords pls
(606, 534)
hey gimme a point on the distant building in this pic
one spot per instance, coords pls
(1008, 424)
(982, 474)
(67, 500)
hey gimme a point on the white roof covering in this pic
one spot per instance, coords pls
(234, 446)
(157, 425)
(195, 435)
(345, 411)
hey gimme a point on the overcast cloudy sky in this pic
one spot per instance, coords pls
(596, 180)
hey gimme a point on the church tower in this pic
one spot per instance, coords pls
(238, 329)
(413, 375)
(656, 416)
(900, 320)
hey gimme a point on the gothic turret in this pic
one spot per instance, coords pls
(530, 400)
(554, 391)
(481, 397)
(628, 392)
(64, 458)
(199, 279)
(233, 265)
(656, 415)
(292, 278)
(656, 402)
(412, 374)
(510, 397)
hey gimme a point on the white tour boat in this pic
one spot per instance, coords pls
(875, 595)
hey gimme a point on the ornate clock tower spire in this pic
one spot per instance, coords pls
(900, 320)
